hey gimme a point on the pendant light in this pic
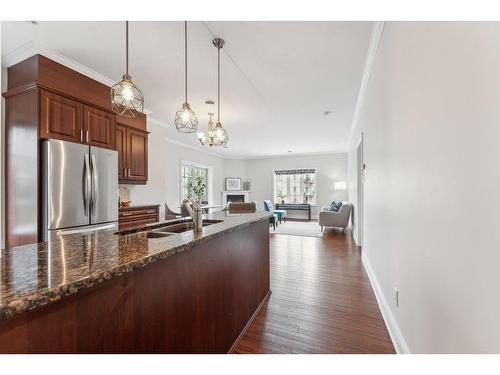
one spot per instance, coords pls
(217, 136)
(208, 139)
(185, 118)
(126, 98)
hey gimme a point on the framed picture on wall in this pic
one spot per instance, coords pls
(233, 184)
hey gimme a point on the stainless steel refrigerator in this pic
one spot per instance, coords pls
(80, 188)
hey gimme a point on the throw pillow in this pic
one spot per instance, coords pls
(332, 206)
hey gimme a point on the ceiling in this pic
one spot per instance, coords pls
(278, 78)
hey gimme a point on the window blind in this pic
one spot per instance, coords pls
(294, 171)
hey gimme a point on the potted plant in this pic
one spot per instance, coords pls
(196, 188)
(282, 196)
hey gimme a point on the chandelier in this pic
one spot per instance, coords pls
(217, 135)
(126, 98)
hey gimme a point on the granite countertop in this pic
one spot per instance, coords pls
(32, 276)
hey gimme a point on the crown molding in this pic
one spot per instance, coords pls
(200, 148)
(291, 155)
(31, 48)
(376, 35)
(195, 148)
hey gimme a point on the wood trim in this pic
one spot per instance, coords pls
(33, 85)
(249, 323)
(137, 123)
(130, 127)
(20, 90)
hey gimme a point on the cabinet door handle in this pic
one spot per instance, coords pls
(86, 136)
(81, 135)
(151, 212)
(127, 214)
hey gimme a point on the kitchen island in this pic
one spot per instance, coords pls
(137, 292)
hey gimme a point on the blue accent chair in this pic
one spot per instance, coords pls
(272, 220)
(269, 206)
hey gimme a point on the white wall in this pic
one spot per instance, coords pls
(330, 168)
(3, 87)
(431, 125)
(235, 168)
(164, 172)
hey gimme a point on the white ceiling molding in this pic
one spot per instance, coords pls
(31, 48)
(155, 121)
(377, 30)
(199, 149)
(291, 155)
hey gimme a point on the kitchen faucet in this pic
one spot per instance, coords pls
(196, 213)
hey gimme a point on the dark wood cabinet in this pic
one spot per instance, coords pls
(137, 155)
(60, 117)
(121, 147)
(138, 215)
(68, 120)
(99, 127)
(132, 147)
(46, 100)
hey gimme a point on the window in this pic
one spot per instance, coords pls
(295, 186)
(195, 182)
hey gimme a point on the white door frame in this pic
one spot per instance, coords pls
(360, 189)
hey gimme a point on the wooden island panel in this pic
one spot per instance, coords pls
(198, 301)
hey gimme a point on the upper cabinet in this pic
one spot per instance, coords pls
(132, 147)
(99, 127)
(137, 155)
(60, 118)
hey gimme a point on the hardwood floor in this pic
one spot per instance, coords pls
(321, 301)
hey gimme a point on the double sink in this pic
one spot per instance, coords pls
(168, 229)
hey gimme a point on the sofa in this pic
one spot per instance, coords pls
(334, 219)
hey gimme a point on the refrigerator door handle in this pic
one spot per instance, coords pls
(86, 181)
(95, 190)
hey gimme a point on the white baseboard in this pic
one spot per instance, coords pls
(390, 321)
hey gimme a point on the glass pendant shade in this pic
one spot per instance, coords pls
(126, 98)
(220, 135)
(185, 118)
(209, 138)
(217, 135)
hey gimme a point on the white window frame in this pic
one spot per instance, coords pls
(316, 170)
(209, 168)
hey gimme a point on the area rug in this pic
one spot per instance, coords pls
(299, 228)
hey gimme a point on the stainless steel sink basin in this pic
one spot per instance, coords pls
(157, 234)
(168, 229)
(183, 227)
